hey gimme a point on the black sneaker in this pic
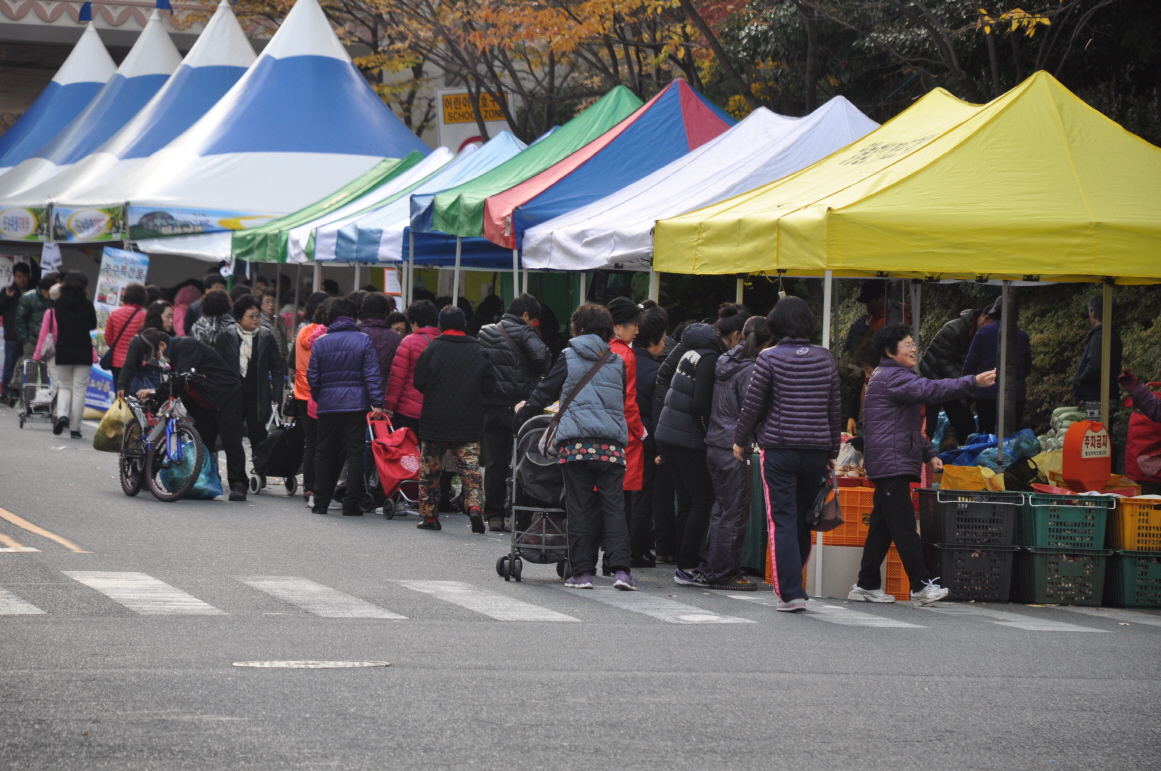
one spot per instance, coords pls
(644, 561)
(477, 519)
(738, 583)
(238, 493)
(75, 435)
(60, 425)
(429, 524)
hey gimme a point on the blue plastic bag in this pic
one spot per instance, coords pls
(982, 451)
(940, 430)
(209, 481)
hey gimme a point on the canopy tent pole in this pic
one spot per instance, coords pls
(356, 289)
(1003, 376)
(1106, 352)
(525, 290)
(739, 289)
(317, 286)
(515, 272)
(916, 296)
(654, 285)
(456, 275)
(827, 294)
(582, 276)
(298, 302)
(411, 271)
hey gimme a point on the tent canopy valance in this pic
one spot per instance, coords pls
(1035, 184)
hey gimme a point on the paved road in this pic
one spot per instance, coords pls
(117, 646)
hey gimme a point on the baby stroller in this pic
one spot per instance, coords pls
(391, 475)
(279, 455)
(36, 393)
(535, 496)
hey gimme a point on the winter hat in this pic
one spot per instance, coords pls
(997, 308)
(623, 310)
(453, 318)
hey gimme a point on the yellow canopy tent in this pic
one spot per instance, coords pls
(1035, 184)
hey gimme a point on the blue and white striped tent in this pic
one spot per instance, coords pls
(145, 70)
(218, 59)
(86, 70)
(300, 123)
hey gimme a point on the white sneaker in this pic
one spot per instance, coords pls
(931, 592)
(859, 594)
(796, 605)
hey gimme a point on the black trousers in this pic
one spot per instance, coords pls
(667, 527)
(309, 443)
(641, 512)
(255, 426)
(595, 501)
(959, 418)
(732, 480)
(791, 479)
(498, 434)
(341, 437)
(989, 414)
(225, 423)
(893, 519)
(691, 476)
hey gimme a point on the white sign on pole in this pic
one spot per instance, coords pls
(119, 269)
(7, 262)
(391, 285)
(50, 257)
(457, 125)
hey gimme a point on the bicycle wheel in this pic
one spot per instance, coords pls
(160, 459)
(131, 463)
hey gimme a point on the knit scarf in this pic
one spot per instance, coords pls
(246, 349)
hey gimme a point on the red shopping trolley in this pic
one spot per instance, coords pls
(392, 472)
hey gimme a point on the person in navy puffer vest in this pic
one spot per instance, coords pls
(345, 383)
(793, 408)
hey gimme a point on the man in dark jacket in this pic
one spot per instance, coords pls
(519, 360)
(895, 452)
(261, 367)
(344, 381)
(944, 359)
(9, 300)
(454, 376)
(1086, 384)
(214, 402)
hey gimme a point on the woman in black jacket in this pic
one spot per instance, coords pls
(139, 371)
(75, 318)
(681, 430)
(260, 366)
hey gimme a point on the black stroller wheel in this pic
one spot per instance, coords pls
(367, 503)
(502, 568)
(291, 485)
(388, 509)
(563, 570)
(517, 568)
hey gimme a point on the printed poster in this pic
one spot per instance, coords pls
(88, 224)
(119, 268)
(146, 222)
(20, 223)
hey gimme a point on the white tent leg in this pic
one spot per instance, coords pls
(456, 275)
(356, 288)
(1003, 376)
(654, 285)
(298, 301)
(739, 289)
(583, 292)
(515, 273)
(827, 292)
(317, 277)
(525, 289)
(916, 297)
(1106, 352)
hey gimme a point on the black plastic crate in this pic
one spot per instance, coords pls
(1060, 577)
(972, 572)
(982, 518)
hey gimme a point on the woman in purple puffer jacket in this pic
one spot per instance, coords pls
(373, 315)
(895, 450)
(793, 407)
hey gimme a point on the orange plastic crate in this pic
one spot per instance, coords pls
(896, 581)
(1135, 525)
(857, 503)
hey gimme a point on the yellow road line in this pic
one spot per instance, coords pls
(9, 544)
(24, 523)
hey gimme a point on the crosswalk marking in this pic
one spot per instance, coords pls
(1116, 614)
(492, 604)
(144, 594)
(834, 614)
(11, 605)
(1010, 619)
(316, 598)
(660, 608)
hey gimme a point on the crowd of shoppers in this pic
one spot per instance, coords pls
(659, 425)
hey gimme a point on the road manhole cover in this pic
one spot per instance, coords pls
(310, 664)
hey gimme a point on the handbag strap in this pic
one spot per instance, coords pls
(121, 331)
(519, 351)
(584, 381)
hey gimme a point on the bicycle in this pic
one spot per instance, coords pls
(156, 440)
